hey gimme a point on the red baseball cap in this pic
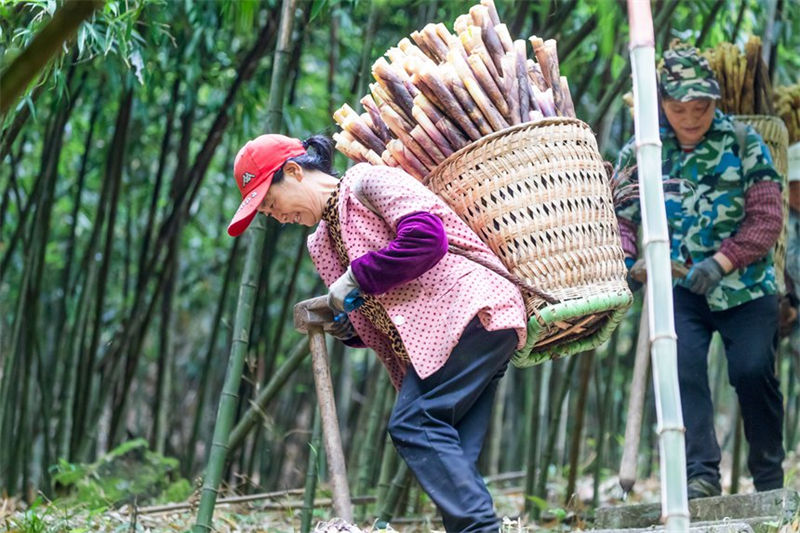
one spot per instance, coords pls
(254, 166)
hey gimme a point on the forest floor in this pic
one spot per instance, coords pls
(281, 514)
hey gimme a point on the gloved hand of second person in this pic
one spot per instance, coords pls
(704, 276)
(341, 289)
(633, 284)
(340, 327)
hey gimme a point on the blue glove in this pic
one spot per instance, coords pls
(633, 284)
(704, 276)
(341, 328)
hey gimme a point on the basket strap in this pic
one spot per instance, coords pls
(516, 280)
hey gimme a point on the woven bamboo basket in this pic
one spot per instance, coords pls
(776, 136)
(538, 195)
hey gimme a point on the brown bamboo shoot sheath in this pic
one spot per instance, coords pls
(398, 128)
(363, 133)
(450, 131)
(536, 75)
(520, 55)
(505, 37)
(430, 128)
(492, 11)
(555, 76)
(383, 99)
(393, 83)
(473, 44)
(345, 147)
(427, 144)
(487, 82)
(389, 159)
(481, 18)
(569, 107)
(379, 126)
(511, 89)
(407, 159)
(427, 92)
(430, 35)
(487, 108)
(450, 104)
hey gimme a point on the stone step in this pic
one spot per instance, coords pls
(781, 504)
(719, 526)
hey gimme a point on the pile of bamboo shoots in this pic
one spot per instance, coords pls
(787, 106)
(743, 78)
(443, 91)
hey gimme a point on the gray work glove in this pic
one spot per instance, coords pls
(340, 327)
(341, 289)
(704, 276)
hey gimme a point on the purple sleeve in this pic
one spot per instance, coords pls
(420, 243)
(627, 233)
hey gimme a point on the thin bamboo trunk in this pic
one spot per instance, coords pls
(368, 456)
(242, 323)
(577, 429)
(310, 489)
(605, 415)
(532, 450)
(674, 503)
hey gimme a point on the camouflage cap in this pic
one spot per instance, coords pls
(686, 75)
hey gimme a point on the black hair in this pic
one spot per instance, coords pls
(318, 157)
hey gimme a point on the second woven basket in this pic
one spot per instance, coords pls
(538, 195)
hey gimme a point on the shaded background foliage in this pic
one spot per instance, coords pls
(118, 281)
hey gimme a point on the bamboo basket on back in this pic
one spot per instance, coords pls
(747, 95)
(494, 134)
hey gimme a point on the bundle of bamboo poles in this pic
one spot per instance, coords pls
(445, 90)
(787, 106)
(743, 78)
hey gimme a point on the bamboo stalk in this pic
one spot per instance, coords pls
(569, 107)
(383, 99)
(674, 503)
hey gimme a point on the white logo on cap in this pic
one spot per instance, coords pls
(246, 177)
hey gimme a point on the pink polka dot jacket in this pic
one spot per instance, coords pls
(431, 311)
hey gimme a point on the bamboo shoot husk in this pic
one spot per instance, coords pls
(392, 120)
(378, 125)
(482, 19)
(461, 23)
(451, 132)
(392, 82)
(450, 104)
(427, 50)
(473, 44)
(569, 107)
(536, 75)
(427, 144)
(487, 83)
(492, 11)
(407, 159)
(546, 54)
(436, 43)
(410, 49)
(389, 159)
(382, 98)
(469, 93)
(505, 37)
(520, 68)
(511, 89)
(444, 34)
(351, 122)
(348, 148)
(433, 132)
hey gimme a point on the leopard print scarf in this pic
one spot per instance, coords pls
(372, 308)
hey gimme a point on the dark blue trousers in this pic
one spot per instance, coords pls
(438, 426)
(750, 335)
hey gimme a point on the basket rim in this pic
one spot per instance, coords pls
(547, 121)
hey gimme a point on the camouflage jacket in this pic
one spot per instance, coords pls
(704, 194)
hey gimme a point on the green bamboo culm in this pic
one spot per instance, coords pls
(663, 341)
(247, 292)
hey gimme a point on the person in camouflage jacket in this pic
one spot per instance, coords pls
(723, 204)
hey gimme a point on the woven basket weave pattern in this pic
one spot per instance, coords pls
(538, 195)
(776, 137)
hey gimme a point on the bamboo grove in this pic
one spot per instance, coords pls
(118, 283)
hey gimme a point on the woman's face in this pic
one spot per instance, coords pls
(689, 120)
(296, 199)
